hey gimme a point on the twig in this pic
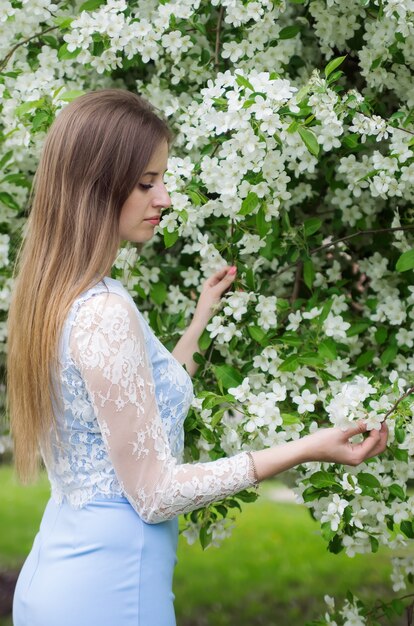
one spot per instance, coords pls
(231, 241)
(409, 613)
(373, 611)
(296, 285)
(372, 231)
(407, 393)
(411, 132)
(6, 59)
(217, 48)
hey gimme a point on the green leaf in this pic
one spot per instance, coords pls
(228, 376)
(216, 419)
(205, 537)
(374, 543)
(19, 180)
(311, 359)
(405, 262)
(158, 293)
(289, 32)
(365, 358)
(398, 606)
(68, 96)
(243, 82)
(312, 225)
(327, 349)
(64, 53)
(381, 335)
(170, 238)
(351, 141)
(332, 65)
(256, 333)
(309, 139)
(401, 455)
(334, 77)
(205, 56)
(63, 22)
(365, 479)
(28, 106)
(398, 492)
(249, 276)
(326, 531)
(204, 341)
(91, 5)
(194, 197)
(311, 493)
(290, 364)
(249, 203)
(263, 226)
(9, 201)
(336, 546)
(6, 157)
(357, 329)
(291, 339)
(199, 358)
(248, 495)
(221, 509)
(399, 434)
(389, 354)
(322, 479)
(407, 529)
(308, 273)
(290, 418)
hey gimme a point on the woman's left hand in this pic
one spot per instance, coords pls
(211, 293)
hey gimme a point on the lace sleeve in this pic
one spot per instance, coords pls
(107, 345)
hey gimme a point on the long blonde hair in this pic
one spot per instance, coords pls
(93, 156)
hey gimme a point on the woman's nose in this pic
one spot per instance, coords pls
(163, 198)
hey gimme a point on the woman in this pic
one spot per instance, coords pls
(92, 388)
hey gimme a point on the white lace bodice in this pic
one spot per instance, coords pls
(125, 398)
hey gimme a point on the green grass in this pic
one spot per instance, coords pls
(273, 571)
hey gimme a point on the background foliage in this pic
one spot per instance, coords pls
(293, 160)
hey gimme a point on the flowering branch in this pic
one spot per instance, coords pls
(8, 56)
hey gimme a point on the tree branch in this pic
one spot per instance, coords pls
(392, 409)
(372, 231)
(296, 285)
(218, 29)
(8, 56)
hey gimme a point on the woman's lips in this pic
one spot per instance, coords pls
(153, 220)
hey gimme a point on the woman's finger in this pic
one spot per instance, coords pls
(221, 274)
(357, 429)
(368, 447)
(226, 280)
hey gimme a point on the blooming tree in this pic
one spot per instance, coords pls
(293, 159)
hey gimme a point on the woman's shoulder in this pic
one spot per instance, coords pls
(102, 294)
(106, 285)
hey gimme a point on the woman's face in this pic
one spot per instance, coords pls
(141, 211)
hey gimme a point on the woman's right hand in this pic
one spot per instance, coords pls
(332, 444)
(327, 445)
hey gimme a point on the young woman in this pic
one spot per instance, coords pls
(94, 391)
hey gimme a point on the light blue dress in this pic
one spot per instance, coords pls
(106, 548)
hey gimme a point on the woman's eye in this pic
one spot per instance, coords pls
(145, 187)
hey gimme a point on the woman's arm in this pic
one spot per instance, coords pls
(212, 290)
(329, 445)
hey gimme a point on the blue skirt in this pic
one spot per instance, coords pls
(100, 564)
